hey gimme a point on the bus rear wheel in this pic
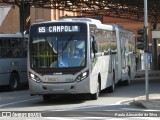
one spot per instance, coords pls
(14, 83)
(128, 81)
(112, 87)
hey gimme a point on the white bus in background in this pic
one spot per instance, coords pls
(13, 60)
(126, 55)
(78, 56)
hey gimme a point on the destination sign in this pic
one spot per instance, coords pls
(57, 29)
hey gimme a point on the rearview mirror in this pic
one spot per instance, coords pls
(94, 46)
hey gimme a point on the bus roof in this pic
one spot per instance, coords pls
(82, 20)
(120, 28)
(11, 35)
(90, 20)
(87, 20)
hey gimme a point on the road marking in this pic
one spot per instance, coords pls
(18, 102)
(102, 118)
(84, 107)
(125, 101)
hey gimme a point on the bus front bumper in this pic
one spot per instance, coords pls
(59, 88)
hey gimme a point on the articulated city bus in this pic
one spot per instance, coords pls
(13, 60)
(78, 56)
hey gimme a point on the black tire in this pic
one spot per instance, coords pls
(128, 81)
(47, 97)
(96, 95)
(14, 82)
(112, 87)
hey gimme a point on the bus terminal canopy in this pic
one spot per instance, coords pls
(128, 9)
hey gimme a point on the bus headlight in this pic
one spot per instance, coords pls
(82, 76)
(34, 78)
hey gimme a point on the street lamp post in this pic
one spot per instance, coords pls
(146, 49)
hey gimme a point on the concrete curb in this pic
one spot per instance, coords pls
(139, 104)
(153, 103)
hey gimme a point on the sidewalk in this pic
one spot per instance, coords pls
(153, 103)
(151, 73)
(154, 99)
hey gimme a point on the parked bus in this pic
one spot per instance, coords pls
(13, 60)
(78, 56)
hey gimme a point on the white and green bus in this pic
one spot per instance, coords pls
(78, 56)
(13, 60)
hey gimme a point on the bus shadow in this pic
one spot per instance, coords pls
(6, 88)
(64, 99)
(136, 88)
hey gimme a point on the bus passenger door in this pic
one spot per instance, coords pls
(93, 65)
(124, 57)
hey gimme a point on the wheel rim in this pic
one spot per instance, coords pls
(98, 89)
(113, 84)
(129, 80)
(129, 76)
(14, 82)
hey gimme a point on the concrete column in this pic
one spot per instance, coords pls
(155, 50)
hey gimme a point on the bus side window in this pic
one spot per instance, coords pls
(0, 48)
(16, 47)
(25, 48)
(3, 52)
(9, 49)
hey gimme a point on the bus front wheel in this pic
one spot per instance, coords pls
(14, 82)
(47, 97)
(96, 95)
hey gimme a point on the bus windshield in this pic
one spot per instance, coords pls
(58, 51)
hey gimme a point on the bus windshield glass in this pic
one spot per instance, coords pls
(58, 51)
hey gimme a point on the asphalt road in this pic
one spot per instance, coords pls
(117, 101)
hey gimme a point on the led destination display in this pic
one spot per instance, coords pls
(57, 29)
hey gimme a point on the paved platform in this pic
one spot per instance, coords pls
(154, 99)
(153, 103)
(151, 73)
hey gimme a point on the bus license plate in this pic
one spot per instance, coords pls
(52, 79)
